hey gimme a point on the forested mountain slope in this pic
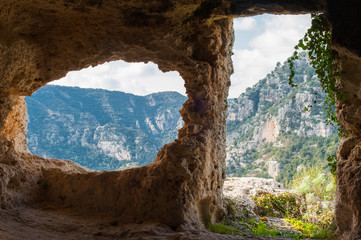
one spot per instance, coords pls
(270, 132)
(102, 130)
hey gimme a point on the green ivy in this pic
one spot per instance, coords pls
(317, 42)
(332, 163)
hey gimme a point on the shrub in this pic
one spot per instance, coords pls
(310, 230)
(306, 209)
(315, 182)
(281, 205)
(317, 186)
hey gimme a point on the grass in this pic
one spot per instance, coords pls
(314, 222)
(310, 230)
(261, 229)
(223, 229)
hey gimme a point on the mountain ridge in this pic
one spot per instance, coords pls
(269, 130)
(87, 122)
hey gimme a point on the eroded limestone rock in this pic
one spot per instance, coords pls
(344, 20)
(183, 186)
(40, 41)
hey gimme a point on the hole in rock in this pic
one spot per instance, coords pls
(114, 116)
(272, 132)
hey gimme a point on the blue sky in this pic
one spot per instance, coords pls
(260, 42)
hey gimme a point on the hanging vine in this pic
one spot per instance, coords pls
(317, 42)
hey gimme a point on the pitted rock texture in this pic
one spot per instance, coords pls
(348, 191)
(40, 41)
(183, 185)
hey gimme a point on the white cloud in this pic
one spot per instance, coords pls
(275, 44)
(241, 24)
(136, 78)
(250, 66)
(281, 34)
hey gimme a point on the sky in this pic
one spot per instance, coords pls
(260, 42)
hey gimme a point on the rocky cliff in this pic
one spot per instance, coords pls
(272, 128)
(99, 129)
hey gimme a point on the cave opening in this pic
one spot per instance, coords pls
(113, 116)
(265, 114)
(272, 132)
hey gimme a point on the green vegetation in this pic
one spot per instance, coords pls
(261, 229)
(296, 151)
(307, 207)
(310, 230)
(310, 211)
(92, 128)
(314, 182)
(258, 228)
(281, 205)
(304, 148)
(231, 207)
(317, 187)
(303, 139)
(223, 229)
(317, 43)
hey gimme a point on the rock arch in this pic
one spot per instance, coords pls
(41, 41)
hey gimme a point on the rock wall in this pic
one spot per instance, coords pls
(348, 195)
(41, 41)
(184, 183)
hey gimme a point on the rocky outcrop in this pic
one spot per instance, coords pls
(240, 191)
(268, 125)
(42, 40)
(272, 105)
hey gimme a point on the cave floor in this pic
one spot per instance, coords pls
(31, 223)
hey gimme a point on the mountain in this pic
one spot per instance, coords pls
(271, 129)
(99, 129)
(269, 132)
